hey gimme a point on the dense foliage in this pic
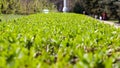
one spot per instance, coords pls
(58, 40)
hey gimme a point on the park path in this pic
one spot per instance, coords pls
(111, 23)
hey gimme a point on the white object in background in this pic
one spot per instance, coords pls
(46, 11)
(96, 16)
(100, 17)
(65, 8)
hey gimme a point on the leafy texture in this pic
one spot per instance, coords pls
(62, 40)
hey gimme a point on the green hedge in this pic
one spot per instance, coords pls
(58, 40)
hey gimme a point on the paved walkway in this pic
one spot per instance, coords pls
(111, 23)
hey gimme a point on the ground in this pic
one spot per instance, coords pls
(112, 23)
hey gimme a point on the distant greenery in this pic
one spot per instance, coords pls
(58, 40)
(25, 6)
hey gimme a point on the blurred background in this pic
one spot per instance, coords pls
(89, 7)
